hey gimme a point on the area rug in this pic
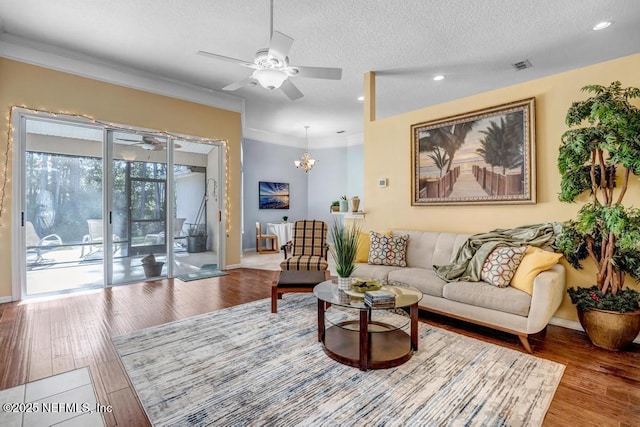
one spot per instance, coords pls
(246, 366)
(206, 271)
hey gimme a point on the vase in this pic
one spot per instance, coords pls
(355, 204)
(610, 330)
(344, 206)
(344, 283)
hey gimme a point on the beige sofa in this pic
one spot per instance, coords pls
(506, 309)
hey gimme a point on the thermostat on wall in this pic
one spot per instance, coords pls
(382, 182)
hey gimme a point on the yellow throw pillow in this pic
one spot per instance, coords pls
(364, 243)
(535, 261)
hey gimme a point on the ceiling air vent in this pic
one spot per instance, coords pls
(522, 65)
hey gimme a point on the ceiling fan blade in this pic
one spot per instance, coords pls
(130, 140)
(240, 83)
(319, 72)
(226, 58)
(280, 45)
(291, 90)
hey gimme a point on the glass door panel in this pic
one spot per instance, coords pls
(139, 204)
(196, 204)
(62, 218)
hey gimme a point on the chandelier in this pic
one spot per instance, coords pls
(306, 162)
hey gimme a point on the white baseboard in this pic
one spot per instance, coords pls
(572, 324)
(5, 299)
(232, 266)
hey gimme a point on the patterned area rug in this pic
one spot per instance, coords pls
(244, 365)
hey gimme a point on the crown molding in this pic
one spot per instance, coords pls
(56, 58)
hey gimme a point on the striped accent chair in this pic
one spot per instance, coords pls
(308, 248)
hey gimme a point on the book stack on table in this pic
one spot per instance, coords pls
(380, 299)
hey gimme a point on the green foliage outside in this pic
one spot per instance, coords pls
(63, 191)
(597, 157)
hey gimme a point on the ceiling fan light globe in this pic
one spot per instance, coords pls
(270, 78)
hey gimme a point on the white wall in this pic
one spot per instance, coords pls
(189, 192)
(339, 171)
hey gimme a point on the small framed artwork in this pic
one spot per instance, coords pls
(273, 195)
(482, 157)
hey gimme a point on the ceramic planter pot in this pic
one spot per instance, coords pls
(344, 283)
(609, 329)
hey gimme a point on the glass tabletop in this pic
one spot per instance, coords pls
(405, 295)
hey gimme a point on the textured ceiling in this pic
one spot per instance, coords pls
(472, 43)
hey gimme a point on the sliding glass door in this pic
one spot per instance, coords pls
(139, 207)
(63, 206)
(101, 206)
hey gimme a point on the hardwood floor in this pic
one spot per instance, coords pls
(40, 338)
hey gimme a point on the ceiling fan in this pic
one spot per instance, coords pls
(272, 69)
(150, 143)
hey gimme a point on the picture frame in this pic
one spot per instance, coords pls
(273, 195)
(481, 157)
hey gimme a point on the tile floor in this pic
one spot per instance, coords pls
(67, 399)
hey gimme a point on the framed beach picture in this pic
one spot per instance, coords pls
(273, 195)
(482, 157)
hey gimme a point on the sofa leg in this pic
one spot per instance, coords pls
(524, 339)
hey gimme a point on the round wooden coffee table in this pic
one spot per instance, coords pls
(355, 334)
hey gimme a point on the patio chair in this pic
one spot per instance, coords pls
(96, 237)
(158, 238)
(39, 245)
(308, 249)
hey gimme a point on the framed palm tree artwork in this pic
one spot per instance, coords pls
(481, 157)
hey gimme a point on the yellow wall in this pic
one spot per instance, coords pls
(387, 154)
(41, 88)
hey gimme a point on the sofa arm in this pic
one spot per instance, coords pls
(548, 292)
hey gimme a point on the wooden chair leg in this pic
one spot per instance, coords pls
(274, 299)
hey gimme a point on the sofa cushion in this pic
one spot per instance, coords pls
(421, 278)
(388, 250)
(428, 248)
(501, 265)
(508, 300)
(535, 261)
(377, 272)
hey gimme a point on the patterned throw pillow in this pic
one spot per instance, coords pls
(501, 265)
(388, 250)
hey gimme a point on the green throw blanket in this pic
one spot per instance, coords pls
(471, 256)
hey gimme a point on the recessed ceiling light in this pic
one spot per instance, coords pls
(361, 98)
(602, 25)
(438, 77)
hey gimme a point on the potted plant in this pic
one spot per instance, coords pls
(343, 251)
(597, 157)
(196, 238)
(335, 206)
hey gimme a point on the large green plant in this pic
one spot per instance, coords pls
(597, 157)
(344, 248)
